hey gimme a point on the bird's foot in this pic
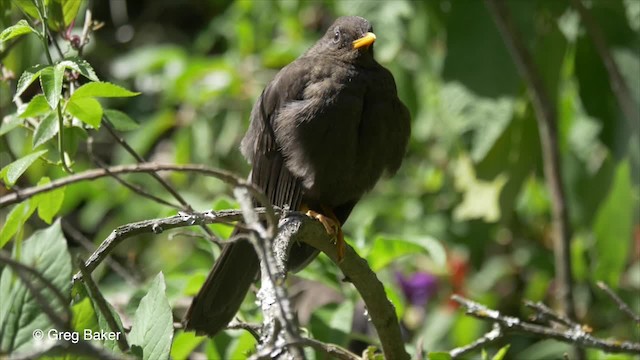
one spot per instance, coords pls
(333, 228)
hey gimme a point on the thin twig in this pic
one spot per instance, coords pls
(616, 81)
(136, 189)
(331, 350)
(489, 338)
(100, 301)
(547, 127)
(156, 226)
(543, 311)
(89, 246)
(572, 335)
(253, 329)
(621, 304)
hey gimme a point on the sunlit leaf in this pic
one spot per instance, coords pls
(51, 82)
(36, 107)
(152, 328)
(120, 120)
(14, 221)
(27, 78)
(47, 129)
(82, 66)
(9, 123)
(13, 171)
(101, 89)
(614, 227)
(49, 202)
(88, 110)
(20, 28)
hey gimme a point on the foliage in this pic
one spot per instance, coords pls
(469, 206)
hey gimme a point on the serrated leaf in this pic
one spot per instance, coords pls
(27, 78)
(51, 82)
(614, 227)
(102, 89)
(20, 28)
(13, 171)
(152, 328)
(48, 128)
(49, 202)
(81, 66)
(36, 107)
(120, 120)
(9, 123)
(15, 220)
(88, 110)
(20, 314)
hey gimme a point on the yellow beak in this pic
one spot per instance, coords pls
(364, 41)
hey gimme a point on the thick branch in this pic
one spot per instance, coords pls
(547, 126)
(575, 335)
(380, 309)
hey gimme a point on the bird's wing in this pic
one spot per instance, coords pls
(269, 171)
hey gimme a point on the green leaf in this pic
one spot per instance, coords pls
(15, 221)
(9, 123)
(49, 202)
(28, 76)
(386, 249)
(104, 326)
(20, 313)
(20, 28)
(28, 6)
(501, 353)
(440, 355)
(481, 198)
(120, 120)
(613, 227)
(81, 66)
(13, 171)
(36, 107)
(48, 128)
(88, 110)
(84, 317)
(184, 343)
(51, 82)
(69, 10)
(152, 328)
(101, 89)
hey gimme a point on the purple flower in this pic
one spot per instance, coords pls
(418, 288)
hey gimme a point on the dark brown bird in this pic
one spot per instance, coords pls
(321, 135)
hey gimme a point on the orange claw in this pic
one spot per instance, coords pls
(333, 228)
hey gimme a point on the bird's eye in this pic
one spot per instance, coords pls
(336, 36)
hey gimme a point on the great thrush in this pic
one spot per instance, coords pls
(322, 133)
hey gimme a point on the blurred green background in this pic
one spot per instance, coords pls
(468, 212)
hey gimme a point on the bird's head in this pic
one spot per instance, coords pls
(350, 37)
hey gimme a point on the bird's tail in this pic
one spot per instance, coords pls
(224, 290)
